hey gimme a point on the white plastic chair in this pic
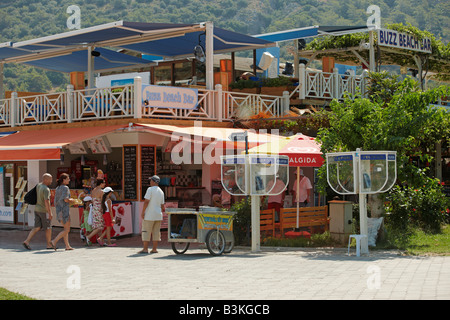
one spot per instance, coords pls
(358, 238)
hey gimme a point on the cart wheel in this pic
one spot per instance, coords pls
(180, 247)
(215, 242)
(229, 245)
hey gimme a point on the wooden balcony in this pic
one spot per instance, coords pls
(124, 102)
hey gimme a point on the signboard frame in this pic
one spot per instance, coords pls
(154, 96)
(144, 179)
(399, 40)
(136, 171)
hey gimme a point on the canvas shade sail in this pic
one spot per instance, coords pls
(218, 137)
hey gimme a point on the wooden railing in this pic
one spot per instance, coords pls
(126, 102)
(328, 86)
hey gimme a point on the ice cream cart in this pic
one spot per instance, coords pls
(208, 225)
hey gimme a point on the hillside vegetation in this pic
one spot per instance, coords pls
(27, 19)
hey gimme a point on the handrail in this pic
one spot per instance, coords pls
(213, 105)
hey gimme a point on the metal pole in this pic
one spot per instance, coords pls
(363, 229)
(363, 223)
(256, 241)
(371, 52)
(298, 194)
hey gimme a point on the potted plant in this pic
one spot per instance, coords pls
(276, 86)
(245, 86)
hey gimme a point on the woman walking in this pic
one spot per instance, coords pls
(107, 217)
(62, 204)
(97, 214)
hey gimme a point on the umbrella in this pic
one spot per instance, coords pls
(302, 150)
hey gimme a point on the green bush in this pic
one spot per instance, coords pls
(242, 221)
(245, 84)
(276, 82)
(425, 207)
(264, 82)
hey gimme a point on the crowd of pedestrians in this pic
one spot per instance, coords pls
(98, 218)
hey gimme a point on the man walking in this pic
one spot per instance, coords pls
(152, 215)
(42, 212)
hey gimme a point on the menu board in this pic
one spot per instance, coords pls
(130, 179)
(148, 166)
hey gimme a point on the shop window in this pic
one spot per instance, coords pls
(163, 75)
(183, 72)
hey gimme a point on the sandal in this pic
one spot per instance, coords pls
(26, 246)
(143, 252)
(52, 246)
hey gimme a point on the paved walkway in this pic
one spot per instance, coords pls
(287, 274)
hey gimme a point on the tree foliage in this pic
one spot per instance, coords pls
(438, 61)
(395, 116)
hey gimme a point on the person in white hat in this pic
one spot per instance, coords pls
(108, 217)
(304, 196)
(152, 215)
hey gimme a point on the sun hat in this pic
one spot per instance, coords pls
(107, 189)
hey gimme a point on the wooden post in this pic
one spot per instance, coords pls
(209, 48)
(302, 81)
(69, 104)
(137, 97)
(13, 110)
(219, 102)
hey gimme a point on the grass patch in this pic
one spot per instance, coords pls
(415, 241)
(8, 295)
(422, 243)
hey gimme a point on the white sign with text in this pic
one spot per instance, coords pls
(395, 39)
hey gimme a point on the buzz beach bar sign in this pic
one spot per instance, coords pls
(395, 39)
(169, 97)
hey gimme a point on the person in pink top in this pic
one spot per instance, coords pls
(276, 201)
(304, 197)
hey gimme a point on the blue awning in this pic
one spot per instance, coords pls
(290, 34)
(78, 61)
(224, 41)
(161, 39)
(308, 32)
(7, 51)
